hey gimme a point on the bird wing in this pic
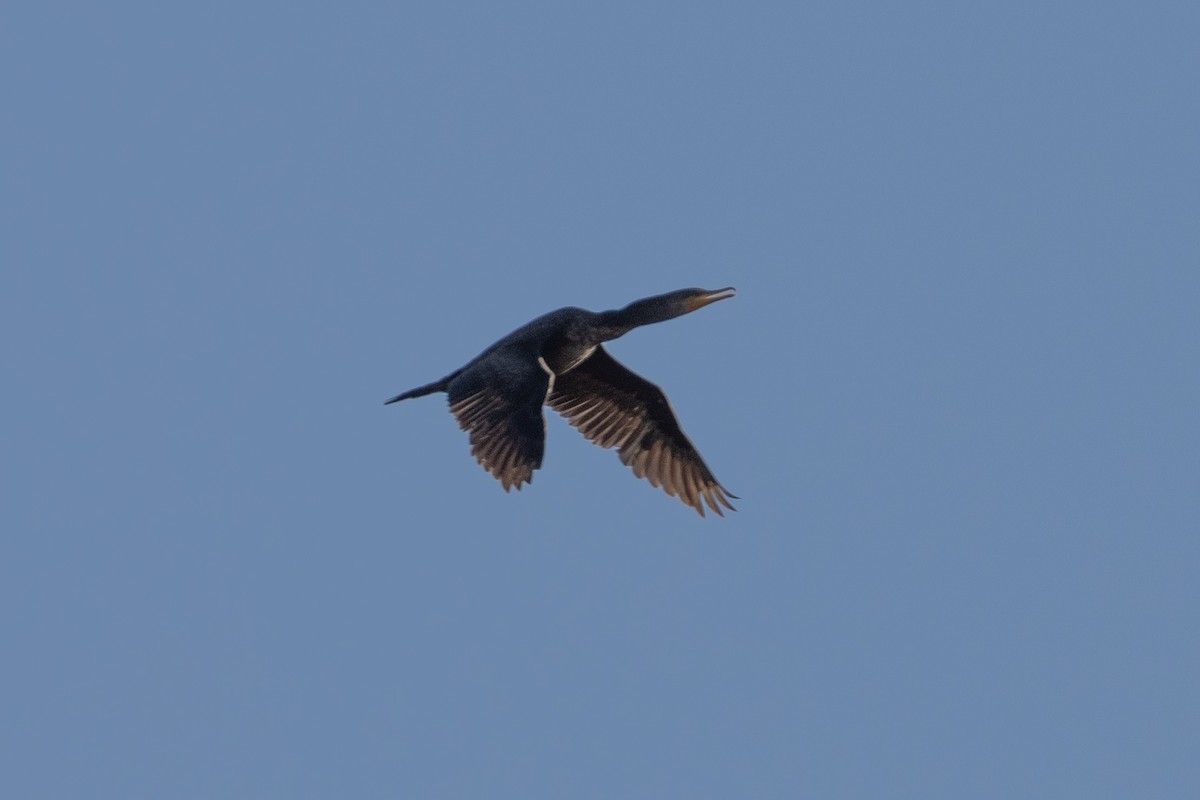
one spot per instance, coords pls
(498, 400)
(615, 407)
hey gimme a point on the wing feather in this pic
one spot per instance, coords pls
(498, 401)
(615, 407)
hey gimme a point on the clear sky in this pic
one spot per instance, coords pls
(957, 392)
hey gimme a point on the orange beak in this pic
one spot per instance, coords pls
(710, 297)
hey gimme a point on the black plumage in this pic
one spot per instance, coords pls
(559, 360)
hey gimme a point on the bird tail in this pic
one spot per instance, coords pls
(421, 391)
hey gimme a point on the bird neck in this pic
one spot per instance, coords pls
(613, 324)
(608, 325)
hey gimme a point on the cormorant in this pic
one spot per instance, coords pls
(558, 360)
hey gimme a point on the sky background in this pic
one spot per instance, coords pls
(957, 393)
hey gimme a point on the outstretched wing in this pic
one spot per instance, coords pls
(614, 407)
(498, 401)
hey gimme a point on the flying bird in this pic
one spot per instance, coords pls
(559, 360)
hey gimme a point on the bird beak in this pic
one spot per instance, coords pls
(711, 297)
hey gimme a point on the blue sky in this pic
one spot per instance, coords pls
(957, 393)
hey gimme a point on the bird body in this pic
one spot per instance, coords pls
(558, 360)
